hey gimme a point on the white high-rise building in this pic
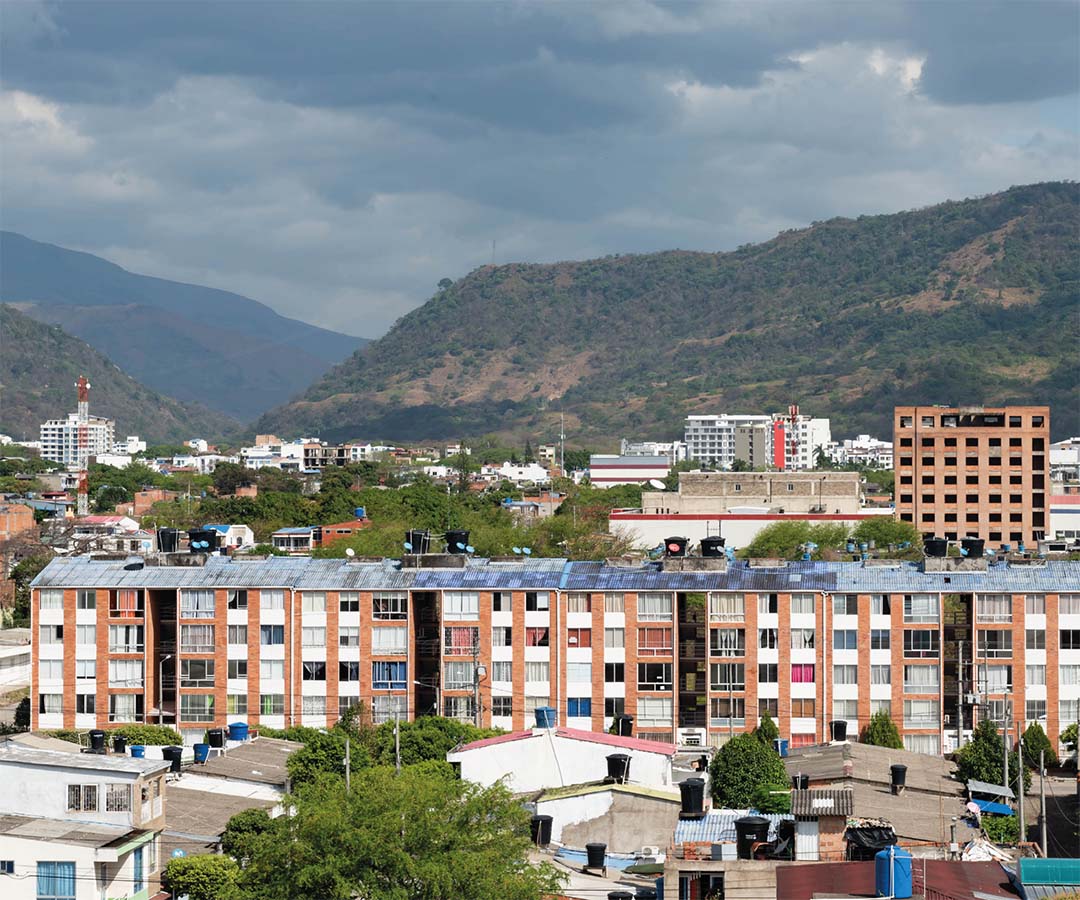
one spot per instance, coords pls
(60, 438)
(803, 437)
(711, 439)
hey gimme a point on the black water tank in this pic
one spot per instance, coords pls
(209, 536)
(119, 744)
(712, 547)
(693, 798)
(618, 767)
(675, 546)
(540, 830)
(420, 541)
(624, 725)
(645, 893)
(750, 830)
(800, 782)
(215, 737)
(973, 546)
(899, 777)
(595, 855)
(620, 895)
(173, 754)
(838, 730)
(168, 540)
(457, 541)
(936, 546)
(97, 741)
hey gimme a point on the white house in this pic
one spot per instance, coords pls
(79, 826)
(234, 535)
(558, 757)
(533, 472)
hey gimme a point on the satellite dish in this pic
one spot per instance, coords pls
(349, 552)
(516, 549)
(527, 551)
(658, 484)
(407, 545)
(459, 545)
(469, 549)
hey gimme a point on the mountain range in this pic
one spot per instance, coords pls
(966, 302)
(197, 344)
(39, 364)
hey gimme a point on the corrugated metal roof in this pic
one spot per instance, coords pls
(216, 571)
(994, 790)
(718, 825)
(822, 803)
(1059, 871)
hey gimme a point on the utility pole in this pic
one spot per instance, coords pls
(959, 694)
(1042, 803)
(1005, 739)
(1020, 783)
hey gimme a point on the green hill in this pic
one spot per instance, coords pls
(965, 302)
(39, 365)
(194, 343)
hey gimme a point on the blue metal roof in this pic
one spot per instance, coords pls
(989, 806)
(303, 529)
(718, 826)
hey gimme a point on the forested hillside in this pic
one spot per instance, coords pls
(967, 302)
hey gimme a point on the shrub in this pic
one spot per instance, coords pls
(882, 732)
(741, 767)
(1002, 829)
(1035, 739)
(242, 830)
(206, 877)
(766, 731)
(772, 798)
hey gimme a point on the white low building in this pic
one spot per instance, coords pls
(609, 470)
(863, 450)
(558, 757)
(531, 472)
(233, 536)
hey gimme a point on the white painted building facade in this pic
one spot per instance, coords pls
(711, 439)
(59, 438)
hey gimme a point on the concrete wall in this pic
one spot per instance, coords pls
(794, 492)
(625, 822)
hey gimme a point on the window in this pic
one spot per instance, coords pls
(82, 798)
(803, 707)
(845, 674)
(920, 608)
(349, 636)
(501, 636)
(727, 677)
(1068, 675)
(993, 608)
(313, 637)
(461, 605)
(536, 637)
(614, 673)
(125, 673)
(271, 669)
(723, 708)
(271, 635)
(995, 679)
(271, 704)
(579, 707)
(313, 601)
(654, 607)
(614, 603)
(1069, 604)
(349, 602)
(502, 706)
(49, 704)
(1035, 675)
(390, 605)
(802, 673)
(197, 707)
(391, 640)
(727, 642)
(313, 670)
(125, 707)
(84, 599)
(53, 669)
(458, 676)
(802, 638)
(880, 639)
(502, 601)
(767, 639)
(768, 706)
(313, 705)
(579, 637)
(1068, 711)
(537, 601)
(1035, 605)
(1035, 710)
(56, 881)
(614, 706)
(388, 676)
(995, 644)
(85, 704)
(654, 711)
(881, 674)
(766, 603)
(727, 607)
(845, 640)
(921, 679)
(537, 671)
(238, 668)
(129, 638)
(86, 634)
(927, 744)
(237, 634)
(461, 708)
(845, 709)
(271, 599)
(845, 604)
(195, 604)
(921, 643)
(349, 670)
(802, 604)
(237, 600)
(578, 602)
(1070, 639)
(51, 634)
(768, 673)
(502, 671)
(85, 669)
(654, 676)
(1035, 639)
(614, 637)
(922, 714)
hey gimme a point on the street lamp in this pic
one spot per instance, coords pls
(161, 686)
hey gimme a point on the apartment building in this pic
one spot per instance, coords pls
(789, 442)
(974, 471)
(60, 438)
(711, 439)
(694, 649)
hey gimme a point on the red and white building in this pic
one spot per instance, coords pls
(610, 470)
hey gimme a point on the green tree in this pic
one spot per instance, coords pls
(109, 496)
(772, 798)
(324, 753)
(22, 714)
(1035, 739)
(1001, 829)
(242, 830)
(981, 759)
(204, 877)
(426, 738)
(1068, 737)
(766, 730)
(885, 530)
(228, 477)
(404, 837)
(882, 732)
(742, 765)
(22, 574)
(741, 465)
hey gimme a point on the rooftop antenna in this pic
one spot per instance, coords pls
(82, 451)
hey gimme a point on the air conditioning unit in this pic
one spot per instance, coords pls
(691, 737)
(972, 699)
(649, 851)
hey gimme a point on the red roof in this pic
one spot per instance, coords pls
(595, 737)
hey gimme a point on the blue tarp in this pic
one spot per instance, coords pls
(989, 806)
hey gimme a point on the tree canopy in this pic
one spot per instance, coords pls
(741, 767)
(882, 732)
(982, 758)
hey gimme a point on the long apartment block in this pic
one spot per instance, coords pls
(694, 649)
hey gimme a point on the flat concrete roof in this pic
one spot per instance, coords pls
(195, 820)
(261, 760)
(16, 753)
(870, 764)
(84, 834)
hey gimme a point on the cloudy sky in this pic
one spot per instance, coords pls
(335, 160)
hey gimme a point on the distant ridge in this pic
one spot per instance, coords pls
(38, 367)
(194, 343)
(975, 301)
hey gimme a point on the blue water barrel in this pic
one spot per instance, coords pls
(238, 731)
(202, 752)
(899, 883)
(545, 717)
(781, 745)
(138, 751)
